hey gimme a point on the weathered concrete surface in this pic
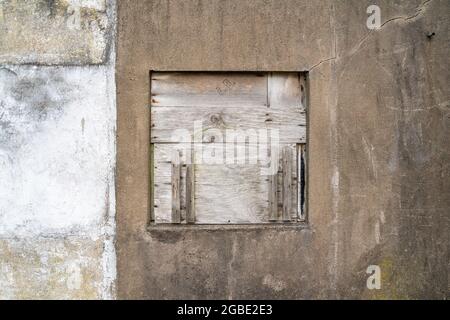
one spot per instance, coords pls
(57, 203)
(51, 268)
(73, 32)
(378, 149)
(393, 129)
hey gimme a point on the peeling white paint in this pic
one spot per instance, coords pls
(57, 175)
(99, 5)
(54, 176)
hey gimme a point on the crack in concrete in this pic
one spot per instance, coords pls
(320, 62)
(419, 11)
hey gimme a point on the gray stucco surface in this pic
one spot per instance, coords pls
(378, 149)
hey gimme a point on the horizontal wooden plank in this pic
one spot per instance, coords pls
(209, 107)
(215, 153)
(167, 122)
(285, 111)
(224, 193)
(210, 89)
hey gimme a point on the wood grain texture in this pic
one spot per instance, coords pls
(176, 177)
(271, 101)
(287, 183)
(221, 112)
(151, 170)
(208, 89)
(190, 193)
(224, 193)
(167, 122)
(273, 197)
(285, 90)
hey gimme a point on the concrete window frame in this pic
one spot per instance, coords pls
(302, 194)
(144, 45)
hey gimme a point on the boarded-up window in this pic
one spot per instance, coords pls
(228, 148)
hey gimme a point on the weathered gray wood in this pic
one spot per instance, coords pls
(273, 197)
(211, 89)
(254, 101)
(302, 159)
(287, 183)
(152, 185)
(166, 122)
(303, 90)
(230, 193)
(190, 193)
(285, 90)
(176, 177)
(224, 191)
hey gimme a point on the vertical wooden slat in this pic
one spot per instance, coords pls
(218, 199)
(273, 182)
(152, 184)
(190, 191)
(176, 177)
(302, 182)
(287, 183)
(303, 90)
(273, 199)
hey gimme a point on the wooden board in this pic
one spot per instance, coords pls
(227, 185)
(302, 183)
(175, 184)
(166, 122)
(286, 90)
(210, 89)
(252, 101)
(224, 193)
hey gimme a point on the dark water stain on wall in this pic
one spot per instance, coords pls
(28, 99)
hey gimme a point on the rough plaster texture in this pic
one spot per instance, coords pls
(57, 158)
(51, 268)
(378, 149)
(55, 32)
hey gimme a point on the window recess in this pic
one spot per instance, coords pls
(228, 148)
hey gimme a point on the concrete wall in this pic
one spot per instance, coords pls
(378, 166)
(378, 149)
(57, 149)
